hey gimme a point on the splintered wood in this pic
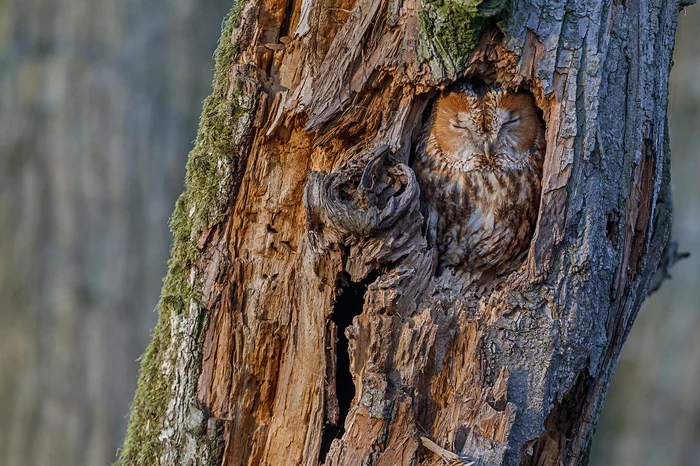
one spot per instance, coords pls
(449, 369)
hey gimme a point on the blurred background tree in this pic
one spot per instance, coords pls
(99, 103)
(652, 411)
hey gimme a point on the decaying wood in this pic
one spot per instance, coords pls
(495, 370)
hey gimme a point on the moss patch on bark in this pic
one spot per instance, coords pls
(210, 183)
(452, 27)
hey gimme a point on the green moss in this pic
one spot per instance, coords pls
(212, 171)
(141, 446)
(453, 27)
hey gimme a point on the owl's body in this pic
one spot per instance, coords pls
(479, 165)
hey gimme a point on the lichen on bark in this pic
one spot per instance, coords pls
(213, 172)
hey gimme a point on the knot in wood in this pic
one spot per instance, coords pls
(360, 200)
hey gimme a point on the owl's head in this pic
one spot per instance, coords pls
(491, 130)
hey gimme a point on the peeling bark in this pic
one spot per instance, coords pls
(322, 227)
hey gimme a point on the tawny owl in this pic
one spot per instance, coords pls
(479, 164)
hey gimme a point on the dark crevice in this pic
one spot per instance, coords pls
(611, 226)
(348, 305)
(562, 425)
(286, 23)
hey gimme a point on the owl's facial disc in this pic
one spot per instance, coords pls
(494, 130)
(457, 129)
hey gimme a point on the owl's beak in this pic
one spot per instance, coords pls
(488, 150)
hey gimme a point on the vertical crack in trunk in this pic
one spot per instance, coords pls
(563, 426)
(348, 305)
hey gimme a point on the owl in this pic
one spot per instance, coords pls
(479, 165)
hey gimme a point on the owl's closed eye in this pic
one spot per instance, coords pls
(495, 129)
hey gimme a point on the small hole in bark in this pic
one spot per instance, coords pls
(460, 438)
(348, 305)
(611, 228)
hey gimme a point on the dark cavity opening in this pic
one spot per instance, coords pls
(348, 305)
(562, 425)
(286, 22)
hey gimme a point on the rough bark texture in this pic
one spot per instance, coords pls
(302, 320)
(652, 408)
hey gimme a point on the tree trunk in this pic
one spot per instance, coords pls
(302, 320)
(98, 103)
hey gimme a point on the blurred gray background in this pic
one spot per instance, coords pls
(99, 103)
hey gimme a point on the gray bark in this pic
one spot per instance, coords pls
(98, 106)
